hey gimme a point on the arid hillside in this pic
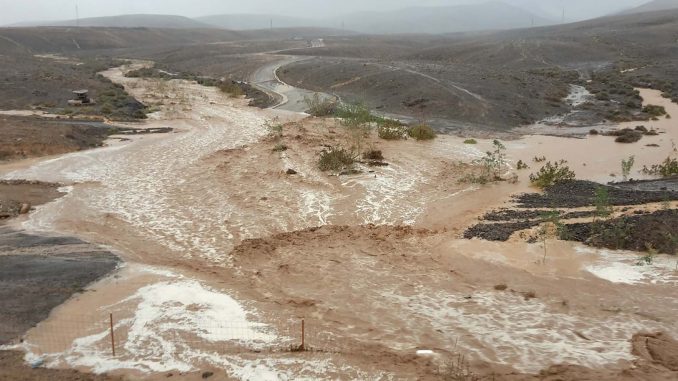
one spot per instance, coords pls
(500, 79)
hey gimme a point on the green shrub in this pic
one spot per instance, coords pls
(626, 135)
(373, 155)
(354, 114)
(470, 141)
(229, 87)
(654, 111)
(551, 174)
(389, 131)
(280, 147)
(319, 106)
(627, 165)
(522, 165)
(275, 129)
(667, 168)
(493, 161)
(491, 165)
(421, 132)
(139, 114)
(336, 159)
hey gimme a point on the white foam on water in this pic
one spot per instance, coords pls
(171, 323)
(43, 218)
(144, 184)
(316, 206)
(578, 95)
(388, 198)
(505, 328)
(629, 267)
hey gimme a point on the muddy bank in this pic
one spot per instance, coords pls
(19, 196)
(25, 137)
(256, 97)
(38, 273)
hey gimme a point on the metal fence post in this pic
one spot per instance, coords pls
(303, 335)
(112, 335)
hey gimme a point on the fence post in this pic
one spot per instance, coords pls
(303, 335)
(112, 335)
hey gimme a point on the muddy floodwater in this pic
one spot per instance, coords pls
(224, 257)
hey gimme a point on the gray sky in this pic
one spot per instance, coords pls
(38, 10)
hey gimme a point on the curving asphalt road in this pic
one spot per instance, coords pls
(292, 98)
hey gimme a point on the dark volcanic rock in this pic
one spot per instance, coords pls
(498, 231)
(579, 193)
(658, 230)
(39, 273)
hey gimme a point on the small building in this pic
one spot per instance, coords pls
(81, 98)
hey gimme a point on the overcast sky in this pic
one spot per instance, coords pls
(13, 11)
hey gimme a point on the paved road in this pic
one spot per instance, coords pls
(292, 98)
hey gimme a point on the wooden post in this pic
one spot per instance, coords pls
(112, 335)
(303, 335)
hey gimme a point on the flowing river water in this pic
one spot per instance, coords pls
(164, 204)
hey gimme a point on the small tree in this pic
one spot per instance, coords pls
(551, 227)
(603, 209)
(602, 203)
(493, 161)
(626, 166)
(648, 259)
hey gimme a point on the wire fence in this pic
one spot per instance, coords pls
(130, 340)
(106, 333)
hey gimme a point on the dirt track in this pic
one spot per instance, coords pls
(213, 229)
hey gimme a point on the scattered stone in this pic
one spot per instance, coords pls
(25, 208)
(529, 295)
(37, 363)
(207, 375)
(291, 172)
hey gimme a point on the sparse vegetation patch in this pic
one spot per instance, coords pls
(390, 131)
(668, 168)
(336, 159)
(551, 174)
(319, 106)
(421, 132)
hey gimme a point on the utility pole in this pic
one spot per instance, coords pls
(563, 20)
(271, 25)
(77, 15)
